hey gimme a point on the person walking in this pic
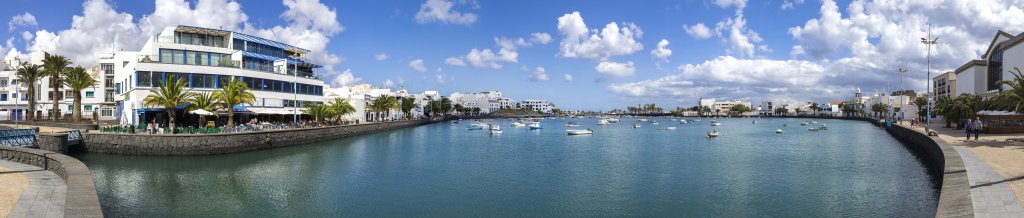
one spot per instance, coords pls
(968, 129)
(977, 125)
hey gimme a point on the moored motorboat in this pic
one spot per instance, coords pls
(535, 125)
(670, 128)
(572, 124)
(813, 129)
(636, 125)
(474, 127)
(603, 122)
(713, 134)
(682, 121)
(613, 120)
(579, 131)
(495, 131)
(778, 130)
(715, 123)
(518, 124)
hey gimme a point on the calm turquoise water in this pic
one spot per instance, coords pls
(442, 170)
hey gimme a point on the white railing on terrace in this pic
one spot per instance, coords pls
(222, 63)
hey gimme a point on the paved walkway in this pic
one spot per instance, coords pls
(35, 192)
(41, 128)
(993, 171)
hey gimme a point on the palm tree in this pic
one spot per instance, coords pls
(943, 106)
(341, 108)
(319, 111)
(459, 108)
(476, 111)
(879, 108)
(235, 93)
(29, 74)
(382, 105)
(77, 79)
(169, 96)
(1016, 92)
(407, 105)
(922, 103)
(446, 106)
(54, 66)
(205, 101)
(815, 108)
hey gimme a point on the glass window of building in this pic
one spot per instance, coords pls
(178, 56)
(145, 79)
(191, 57)
(90, 94)
(157, 79)
(88, 107)
(224, 80)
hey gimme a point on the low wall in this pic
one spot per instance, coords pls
(223, 143)
(60, 124)
(81, 199)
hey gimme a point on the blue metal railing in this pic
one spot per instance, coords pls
(18, 137)
(74, 135)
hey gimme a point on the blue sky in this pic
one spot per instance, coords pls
(806, 51)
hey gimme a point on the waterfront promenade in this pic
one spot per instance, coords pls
(993, 170)
(30, 191)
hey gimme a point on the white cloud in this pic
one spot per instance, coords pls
(441, 11)
(439, 79)
(94, 32)
(418, 65)
(858, 46)
(612, 40)
(739, 4)
(542, 38)
(698, 31)
(26, 20)
(344, 78)
(388, 83)
(27, 36)
(538, 75)
(567, 77)
(381, 57)
(662, 52)
(615, 69)
(454, 61)
(734, 32)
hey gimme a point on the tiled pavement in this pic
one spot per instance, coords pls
(44, 196)
(990, 195)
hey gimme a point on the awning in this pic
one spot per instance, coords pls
(201, 112)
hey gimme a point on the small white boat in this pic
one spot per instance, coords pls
(813, 129)
(803, 123)
(518, 124)
(495, 132)
(713, 134)
(572, 124)
(778, 130)
(579, 132)
(636, 125)
(682, 121)
(814, 122)
(603, 122)
(753, 122)
(654, 123)
(822, 128)
(535, 125)
(716, 124)
(643, 120)
(613, 120)
(473, 127)
(495, 127)
(670, 128)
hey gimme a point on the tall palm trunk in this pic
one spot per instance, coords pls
(231, 117)
(31, 111)
(76, 114)
(55, 83)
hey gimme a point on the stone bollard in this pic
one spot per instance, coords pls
(55, 142)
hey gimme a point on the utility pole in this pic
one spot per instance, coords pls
(929, 41)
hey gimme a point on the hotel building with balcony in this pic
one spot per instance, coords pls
(206, 59)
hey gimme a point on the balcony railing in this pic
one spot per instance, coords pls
(222, 63)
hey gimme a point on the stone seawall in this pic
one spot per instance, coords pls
(223, 143)
(81, 199)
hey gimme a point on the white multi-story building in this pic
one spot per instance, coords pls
(208, 58)
(537, 105)
(14, 99)
(980, 76)
(507, 103)
(487, 101)
(355, 95)
(725, 106)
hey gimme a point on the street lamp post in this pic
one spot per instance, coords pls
(929, 42)
(902, 93)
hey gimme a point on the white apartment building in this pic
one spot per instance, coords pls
(537, 105)
(14, 99)
(723, 107)
(487, 101)
(208, 58)
(355, 95)
(980, 76)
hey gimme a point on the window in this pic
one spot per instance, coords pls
(145, 79)
(88, 107)
(89, 94)
(215, 59)
(224, 80)
(3, 96)
(71, 107)
(192, 58)
(108, 97)
(179, 56)
(157, 79)
(14, 95)
(107, 112)
(166, 56)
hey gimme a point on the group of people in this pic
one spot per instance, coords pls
(153, 127)
(973, 126)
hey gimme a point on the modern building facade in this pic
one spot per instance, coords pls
(207, 59)
(487, 101)
(543, 106)
(980, 76)
(944, 85)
